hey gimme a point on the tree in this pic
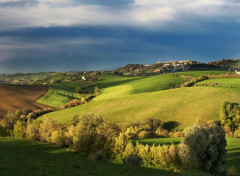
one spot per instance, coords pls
(78, 89)
(203, 148)
(19, 129)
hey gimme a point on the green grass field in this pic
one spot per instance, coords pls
(25, 158)
(233, 148)
(224, 83)
(132, 99)
(182, 105)
(117, 86)
(61, 93)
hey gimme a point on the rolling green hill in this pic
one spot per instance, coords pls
(182, 105)
(26, 158)
(117, 86)
(131, 99)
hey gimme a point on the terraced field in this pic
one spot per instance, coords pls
(61, 93)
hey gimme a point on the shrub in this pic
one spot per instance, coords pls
(69, 135)
(32, 130)
(160, 132)
(237, 133)
(203, 148)
(175, 134)
(106, 133)
(153, 123)
(143, 135)
(58, 137)
(120, 144)
(8, 121)
(132, 160)
(129, 150)
(86, 134)
(228, 131)
(46, 128)
(19, 129)
(132, 132)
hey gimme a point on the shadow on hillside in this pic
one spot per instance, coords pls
(39, 157)
(171, 125)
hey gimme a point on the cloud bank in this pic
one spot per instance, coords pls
(43, 35)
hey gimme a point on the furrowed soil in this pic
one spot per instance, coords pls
(14, 97)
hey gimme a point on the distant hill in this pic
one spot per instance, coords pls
(175, 66)
(226, 63)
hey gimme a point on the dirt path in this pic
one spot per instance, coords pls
(14, 97)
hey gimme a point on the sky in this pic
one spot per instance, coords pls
(81, 35)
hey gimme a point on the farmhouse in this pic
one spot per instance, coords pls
(237, 72)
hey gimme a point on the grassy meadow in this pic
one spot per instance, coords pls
(117, 86)
(26, 158)
(132, 99)
(182, 105)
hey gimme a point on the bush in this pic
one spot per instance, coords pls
(143, 135)
(106, 134)
(46, 128)
(58, 137)
(132, 132)
(160, 132)
(120, 144)
(85, 133)
(237, 133)
(32, 130)
(8, 121)
(203, 148)
(132, 160)
(19, 129)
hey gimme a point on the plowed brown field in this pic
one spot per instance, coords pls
(14, 97)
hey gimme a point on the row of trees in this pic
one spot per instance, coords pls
(192, 80)
(88, 90)
(202, 148)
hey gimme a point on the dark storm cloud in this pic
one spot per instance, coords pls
(61, 35)
(93, 48)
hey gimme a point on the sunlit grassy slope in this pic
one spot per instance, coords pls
(233, 149)
(25, 158)
(182, 105)
(61, 93)
(112, 88)
(131, 99)
(226, 83)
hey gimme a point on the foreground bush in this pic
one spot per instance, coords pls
(19, 129)
(203, 148)
(46, 129)
(32, 130)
